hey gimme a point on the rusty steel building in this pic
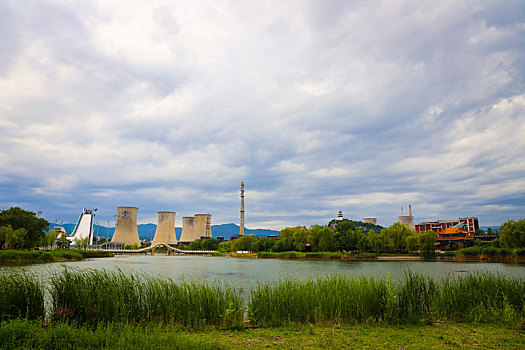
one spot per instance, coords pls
(469, 224)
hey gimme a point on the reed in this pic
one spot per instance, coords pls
(479, 298)
(21, 296)
(98, 296)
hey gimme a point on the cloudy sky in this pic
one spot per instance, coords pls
(364, 106)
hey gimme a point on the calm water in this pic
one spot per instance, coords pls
(246, 272)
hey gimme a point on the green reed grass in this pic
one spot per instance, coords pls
(98, 296)
(481, 297)
(21, 296)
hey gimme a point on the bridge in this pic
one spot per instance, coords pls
(151, 250)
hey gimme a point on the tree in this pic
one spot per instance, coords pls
(49, 239)
(210, 244)
(376, 242)
(512, 234)
(195, 245)
(411, 243)
(396, 235)
(427, 242)
(34, 226)
(83, 242)
(323, 240)
(225, 246)
(285, 243)
(12, 239)
(244, 243)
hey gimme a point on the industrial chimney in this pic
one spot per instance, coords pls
(165, 228)
(202, 226)
(126, 231)
(188, 229)
(241, 230)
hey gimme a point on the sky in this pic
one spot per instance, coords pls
(364, 106)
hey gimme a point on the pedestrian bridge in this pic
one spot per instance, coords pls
(171, 250)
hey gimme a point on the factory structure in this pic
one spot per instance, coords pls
(193, 228)
(407, 220)
(468, 224)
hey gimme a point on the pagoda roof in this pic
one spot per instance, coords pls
(453, 231)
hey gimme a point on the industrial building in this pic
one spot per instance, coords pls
(196, 227)
(126, 231)
(370, 221)
(407, 220)
(165, 232)
(468, 224)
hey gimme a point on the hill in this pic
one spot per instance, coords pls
(147, 231)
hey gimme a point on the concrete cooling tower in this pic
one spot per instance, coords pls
(126, 231)
(202, 226)
(188, 228)
(165, 228)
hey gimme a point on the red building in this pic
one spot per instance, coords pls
(470, 225)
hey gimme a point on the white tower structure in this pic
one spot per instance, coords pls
(84, 227)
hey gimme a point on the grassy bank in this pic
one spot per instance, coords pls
(30, 335)
(92, 297)
(491, 254)
(21, 296)
(417, 299)
(45, 256)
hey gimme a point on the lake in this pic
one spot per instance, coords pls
(244, 273)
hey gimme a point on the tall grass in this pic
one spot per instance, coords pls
(481, 297)
(21, 296)
(99, 296)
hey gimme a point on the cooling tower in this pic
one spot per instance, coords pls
(126, 231)
(370, 220)
(202, 226)
(188, 228)
(165, 228)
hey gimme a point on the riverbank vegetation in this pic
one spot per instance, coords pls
(46, 256)
(92, 297)
(100, 309)
(347, 237)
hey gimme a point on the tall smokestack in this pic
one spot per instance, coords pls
(241, 230)
(410, 210)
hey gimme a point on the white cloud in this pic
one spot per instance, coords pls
(360, 106)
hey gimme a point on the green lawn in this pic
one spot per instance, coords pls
(23, 334)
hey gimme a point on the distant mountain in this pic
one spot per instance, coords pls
(147, 231)
(493, 228)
